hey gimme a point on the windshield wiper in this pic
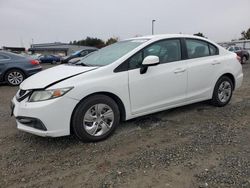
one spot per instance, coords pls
(83, 64)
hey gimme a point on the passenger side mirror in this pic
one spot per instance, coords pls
(149, 61)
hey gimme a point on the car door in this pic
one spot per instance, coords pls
(203, 64)
(3, 60)
(162, 85)
(50, 58)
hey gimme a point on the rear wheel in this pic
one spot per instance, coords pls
(95, 118)
(14, 77)
(222, 92)
(243, 59)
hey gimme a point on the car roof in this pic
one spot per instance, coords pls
(12, 55)
(164, 36)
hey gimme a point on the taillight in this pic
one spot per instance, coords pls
(34, 62)
(238, 58)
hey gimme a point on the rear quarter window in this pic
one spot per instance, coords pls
(197, 48)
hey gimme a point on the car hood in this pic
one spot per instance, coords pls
(53, 75)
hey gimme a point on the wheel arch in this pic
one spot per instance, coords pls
(109, 94)
(13, 68)
(246, 55)
(231, 77)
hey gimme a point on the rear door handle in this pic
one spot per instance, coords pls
(215, 62)
(179, 70)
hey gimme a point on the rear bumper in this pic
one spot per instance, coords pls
(34, 70)
(238, 81)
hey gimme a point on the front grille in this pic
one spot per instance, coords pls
(22, 94)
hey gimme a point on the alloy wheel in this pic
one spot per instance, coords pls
(225, 91)
(98, 119)
(15, 78)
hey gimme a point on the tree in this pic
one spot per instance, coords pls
(89, 41)
(99, 43)
(111, 40)
(95, 42)
(245, 34)
(199, 34)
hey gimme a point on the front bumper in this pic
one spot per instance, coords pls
(54, 114)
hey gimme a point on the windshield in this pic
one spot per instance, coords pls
(110, 54)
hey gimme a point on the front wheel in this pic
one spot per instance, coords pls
(95, 118)
(222, 92)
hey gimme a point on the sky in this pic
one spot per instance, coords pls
(24, 22)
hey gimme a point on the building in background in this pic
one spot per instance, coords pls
(14, 49)
(56, 48)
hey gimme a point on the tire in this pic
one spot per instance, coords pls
(223, 92)
(244, 59)
(89, 122)
(14, 77)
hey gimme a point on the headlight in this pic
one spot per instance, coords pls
(42, 95)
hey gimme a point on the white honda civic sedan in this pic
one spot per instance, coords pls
(125, 80)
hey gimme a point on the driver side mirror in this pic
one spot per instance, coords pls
(149, 61)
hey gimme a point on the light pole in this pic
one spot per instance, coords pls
(153, 26)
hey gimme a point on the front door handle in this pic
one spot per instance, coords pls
(179, 70)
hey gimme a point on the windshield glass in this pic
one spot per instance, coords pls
(110, 53)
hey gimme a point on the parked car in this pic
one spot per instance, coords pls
(78, 54)
(33, 56)
(243, 54)
(125, 80)
(49, 59)
(75, 60)
(15, 68)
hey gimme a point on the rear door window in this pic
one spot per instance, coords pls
(197, 48)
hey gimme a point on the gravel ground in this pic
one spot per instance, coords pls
(193, 146)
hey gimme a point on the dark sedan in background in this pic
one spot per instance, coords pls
(49, 59)
(243, 54)
(15, 68)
